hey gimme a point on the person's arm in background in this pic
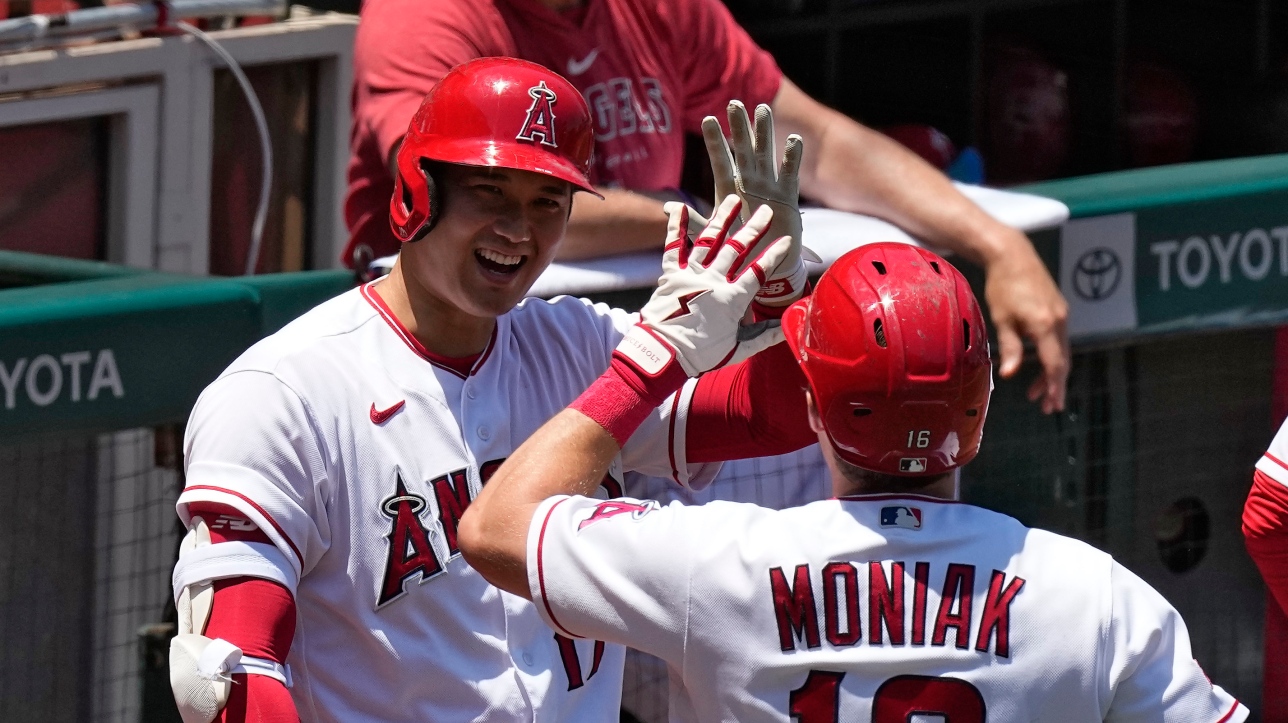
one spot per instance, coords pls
(854, 168)
(633, 220)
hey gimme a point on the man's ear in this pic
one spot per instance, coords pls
(815, 419)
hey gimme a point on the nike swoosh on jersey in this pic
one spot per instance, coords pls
(382, 416)
(577, 67)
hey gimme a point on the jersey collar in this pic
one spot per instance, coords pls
(882, 497)
(447, 364)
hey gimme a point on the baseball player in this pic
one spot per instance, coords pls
(328, 467)
(890, 603)
(651, 70)
(1265, 517)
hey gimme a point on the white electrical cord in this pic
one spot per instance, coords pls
(266, 145)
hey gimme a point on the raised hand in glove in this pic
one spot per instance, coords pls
(752, 172)
(693, 322)
(694, 317)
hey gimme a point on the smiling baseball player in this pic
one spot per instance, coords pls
(890, 603)
(327, 468)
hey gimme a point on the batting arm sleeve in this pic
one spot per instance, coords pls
(1265, 517)
(753, 409)
(612, 570)
(256, 615)
(253, 445)
(1152, 675)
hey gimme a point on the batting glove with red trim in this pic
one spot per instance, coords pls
(694, 317)
(752, 172)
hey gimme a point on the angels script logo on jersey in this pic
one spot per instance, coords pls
(540, 121)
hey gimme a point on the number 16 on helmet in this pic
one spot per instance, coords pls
(893, 345)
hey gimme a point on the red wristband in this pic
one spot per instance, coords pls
(624, 395)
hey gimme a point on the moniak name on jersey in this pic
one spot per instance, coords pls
(838, 583)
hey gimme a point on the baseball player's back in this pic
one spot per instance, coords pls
(875, 608)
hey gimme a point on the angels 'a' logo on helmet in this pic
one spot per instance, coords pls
(539, 126)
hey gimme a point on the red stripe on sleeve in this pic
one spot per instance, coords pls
(258, 509)
(1229, 713)
(1276, 460)
(541, 570)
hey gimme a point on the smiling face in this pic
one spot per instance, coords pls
(497, 232)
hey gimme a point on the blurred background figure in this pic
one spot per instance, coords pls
(937, 149)
(1161, 115)
(1028, 116)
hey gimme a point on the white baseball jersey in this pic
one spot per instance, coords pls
(878, 608)
(356, 454)
(1274, 463)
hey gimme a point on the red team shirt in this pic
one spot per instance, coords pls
(650, 72)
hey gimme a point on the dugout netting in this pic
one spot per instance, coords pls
(89, 539)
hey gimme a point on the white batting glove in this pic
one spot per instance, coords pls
(755, 175)
(694, 317)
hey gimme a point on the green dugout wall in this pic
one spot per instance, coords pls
(1174, 249)
(99, 366)
(88, 346)
(1176, 278)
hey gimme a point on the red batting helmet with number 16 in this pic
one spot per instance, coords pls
(892, 342)
(496, 112)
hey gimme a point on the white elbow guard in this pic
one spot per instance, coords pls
(201, 668)
(201, 671)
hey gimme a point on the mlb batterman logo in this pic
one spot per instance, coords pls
(909, 518)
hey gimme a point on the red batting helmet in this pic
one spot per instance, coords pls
(893, 344)
(498, 112)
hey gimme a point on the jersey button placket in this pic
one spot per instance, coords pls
(484, 433)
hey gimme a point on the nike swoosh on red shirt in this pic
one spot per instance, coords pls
(577, 67)
(382, 416)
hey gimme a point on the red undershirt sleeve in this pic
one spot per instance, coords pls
(752, 409)
(257, 616)
(1265, 531)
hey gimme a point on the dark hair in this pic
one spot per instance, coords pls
(876, 482)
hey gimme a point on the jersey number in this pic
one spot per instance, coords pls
(896, 701)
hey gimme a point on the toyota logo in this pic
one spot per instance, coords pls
(1097, 273)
